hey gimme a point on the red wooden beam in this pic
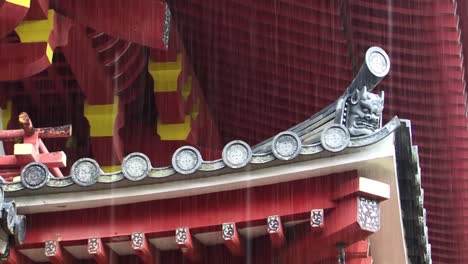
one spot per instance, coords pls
(367, 260)
(359, 249)
(276, 231)
(31, 134)
(12, 15)
(169, 214)
(328, 253)
(43, 149)
(56, 254)
(112, 62)
(343, 226)
(232, 239)
(144, 249)
(43, 132)
(54, 159)
(38, 10)
(8, 160)
(363, 186)
(23, 156)
(9, 173)
(54, 132)
(94, 73)
(190, 247)
(100, 252)
(22, 60)
(148, 16)
(32, 144)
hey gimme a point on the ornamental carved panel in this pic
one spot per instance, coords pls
(181, 235)
(93, 246)
(50, 248)
(368, 214)
(274, 224)
(228, 231)
(137, 240)
(316, 218)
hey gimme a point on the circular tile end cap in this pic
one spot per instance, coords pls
(136, 166)
(286, 145)
(34, 175)
(377, 61)
(335, 138)
(186, 160)
(85, 172)
(237, 154)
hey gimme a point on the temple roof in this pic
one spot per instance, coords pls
(137, 167)
(313, 161)
(354, 120)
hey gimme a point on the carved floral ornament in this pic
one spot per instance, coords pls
(93, 246)
(50, 248)
(228, 231)
(181, 235)
(368, 214)
(273, 224)
(137, 240)
(316, 218)
(354, 120)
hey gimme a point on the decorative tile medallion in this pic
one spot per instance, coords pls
(335, 138)
(368, 214)
(136, 166)
(85, 172)
(93, 246)
(137, 240)
(273, 224)
(377, 61)
(34, 175)
(286, 145)
(181, 235)
(50, 248)
(186, 160)
(316, 218)
(228, 231)
(237, 154)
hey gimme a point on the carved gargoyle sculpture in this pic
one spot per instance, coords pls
(364, 112)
